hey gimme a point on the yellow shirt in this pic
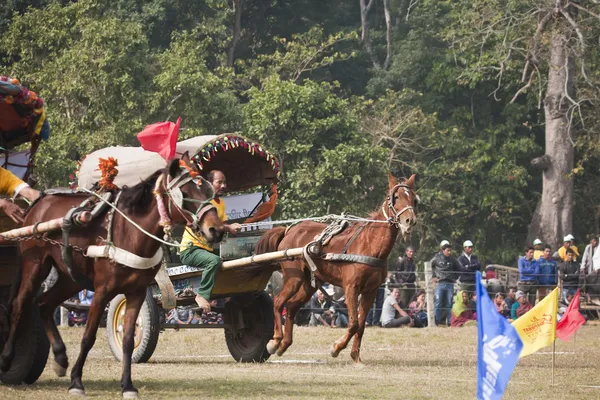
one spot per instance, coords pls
(190, 239)
(562, 252)
(8, 182)
(537, 254)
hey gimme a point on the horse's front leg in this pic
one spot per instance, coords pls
(351, 293)
(99, 302)
(134, 303)
(366, 302)
(293, 306)
(292, 282)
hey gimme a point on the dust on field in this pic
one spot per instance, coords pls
(397, 363)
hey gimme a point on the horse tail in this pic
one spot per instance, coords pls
(270, 240)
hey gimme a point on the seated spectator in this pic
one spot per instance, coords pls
(339, 312)
(212, 317)
(416, 310)
(510, 298)
(320, 311)
(460, 310)
(521, 306)
(501, 306)
(528, 274)
(569, 273)
(548, 272)
(181, 315)
(392, 314)
(86, 297)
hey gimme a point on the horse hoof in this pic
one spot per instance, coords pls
(77, 392)
(334, 352)
(131, 395)
(272, 346)
(280, 351)
(59, 370)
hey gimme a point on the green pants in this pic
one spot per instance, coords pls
(198, 257)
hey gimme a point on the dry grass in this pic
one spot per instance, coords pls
(402, 363)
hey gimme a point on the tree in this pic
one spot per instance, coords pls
(542, 45)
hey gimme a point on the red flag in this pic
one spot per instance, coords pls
(570, 321)
(160, 138)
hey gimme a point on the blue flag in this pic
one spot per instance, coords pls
(498, 347)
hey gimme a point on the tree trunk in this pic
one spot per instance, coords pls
(553, 216)
(237, 31)
(364, 23)
(388, 34)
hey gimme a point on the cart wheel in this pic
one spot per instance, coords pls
(249, 343)
(31, 351)
(146, 330)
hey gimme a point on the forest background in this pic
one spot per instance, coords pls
(458, 92)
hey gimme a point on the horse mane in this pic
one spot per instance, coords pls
(138, 198)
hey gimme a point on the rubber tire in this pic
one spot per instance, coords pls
(31, 352)
(151, 329)
(250, 344)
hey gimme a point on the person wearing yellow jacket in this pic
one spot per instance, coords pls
(12, 186)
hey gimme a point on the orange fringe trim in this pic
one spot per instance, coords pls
(109, 173)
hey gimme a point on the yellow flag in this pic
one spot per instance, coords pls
(537, 327)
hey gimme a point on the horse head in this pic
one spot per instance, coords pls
(190, 195)
(400, 205)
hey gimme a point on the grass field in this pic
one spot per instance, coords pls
(400, 363)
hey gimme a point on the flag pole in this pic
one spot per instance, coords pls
(553, 358)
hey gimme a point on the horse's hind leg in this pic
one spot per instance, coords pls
(293, 306)
(62, 290)
(32, 276)
(366, 302)
(351, 302)
(293, 276)
(99, 302)
(134, 303)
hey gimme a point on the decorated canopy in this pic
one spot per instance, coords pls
(245, 163)
(22, 120)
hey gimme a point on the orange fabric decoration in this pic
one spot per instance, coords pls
(193, 173)
(266, 209)
(109, 173)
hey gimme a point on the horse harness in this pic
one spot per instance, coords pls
(315, 249)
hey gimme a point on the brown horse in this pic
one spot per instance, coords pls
(358, 280)
(106, 277)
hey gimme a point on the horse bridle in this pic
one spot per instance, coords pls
(176, 199)
(394, 217)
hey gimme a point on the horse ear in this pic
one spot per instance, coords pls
(174, 168)
(186, 158)
(411, 181)
(392, 180)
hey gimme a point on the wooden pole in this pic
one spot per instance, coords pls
(553, 358)
(429, 295)
(52, 225)
(260, 258)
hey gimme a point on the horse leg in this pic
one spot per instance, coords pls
(366, 302)
(351, 302)
(32, 274)
(293, 306)
(134, 303)
(291, 286)
(96, 310)
(63, 289)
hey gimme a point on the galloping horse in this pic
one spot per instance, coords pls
(108, 278)
(371, 239)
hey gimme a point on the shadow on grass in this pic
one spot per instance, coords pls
(195, 388)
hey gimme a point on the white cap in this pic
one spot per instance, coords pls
(571, 237)
(444, 242)
(468, 243)
(537, 241)
(567, 239)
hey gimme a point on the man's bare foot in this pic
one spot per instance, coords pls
(202, 303)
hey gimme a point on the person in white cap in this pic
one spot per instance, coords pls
(562, 251)
(573, 247)
(469, 263)
(538, 249)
